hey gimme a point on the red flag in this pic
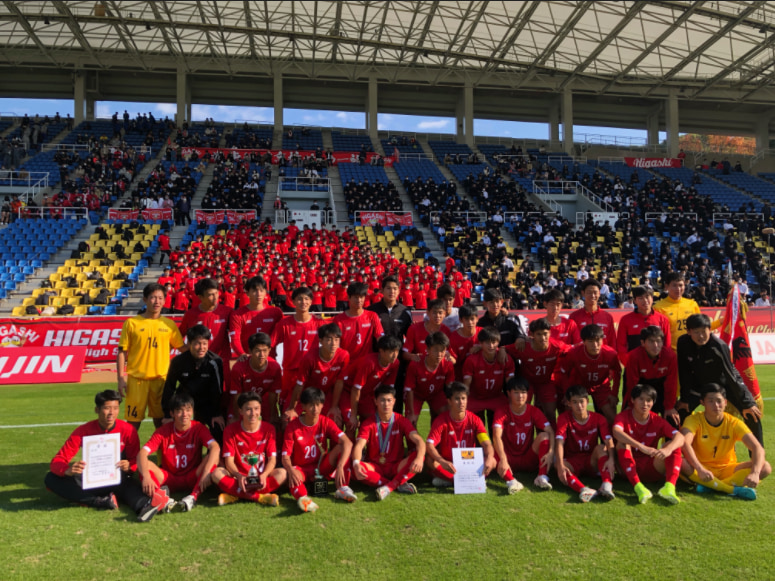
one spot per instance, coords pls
(735, 334)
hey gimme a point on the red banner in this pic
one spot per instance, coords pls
(165, 214)
(41, 365)
(338, 156)
(734, 333)
(653, 162)
(385, 219)
(221, 216)
(123, 214)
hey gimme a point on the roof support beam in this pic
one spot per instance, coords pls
(13, 9)
(124, 35)
(76, 29)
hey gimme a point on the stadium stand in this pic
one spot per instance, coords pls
(302, 139)
(348, 142)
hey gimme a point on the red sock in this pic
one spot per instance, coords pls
(372, 477)
(442, 473)
(509, 475)
(270, 486)
(604, 474)
(543, 449)
(673, 467)
(574, 482)
(298, 491)
(195, 493)
(229, 485)
(153, 477)
(627, 462)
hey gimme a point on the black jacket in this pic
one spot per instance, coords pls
(203, 382)
(396, 322)
(509, 327)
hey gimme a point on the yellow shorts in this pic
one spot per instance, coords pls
(142, 393)
(724, 473)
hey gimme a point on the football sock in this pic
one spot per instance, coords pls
(714, 484)
(604, 474)
(401, 478)
(673, 467)
(627, 462)
(573, 482)
(442, 473)
(738, 478)
(509, 475)
(270, 486)
(372, 477)
(543, 449)
(195, 493)
(298, 491)
(327, 470)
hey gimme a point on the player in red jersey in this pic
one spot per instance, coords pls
(638, 431)
(180, 444)
(456, 428)
(596, 367)
(631, 324)
(463, 342)
(255, 317)
(564, 329)
(415, 347)
(360, 328)
(247, 443)
(298, 334)
(584, 446)
(654, 363)
(314, 447)
(381, 437)
(485, 375)
(426, 379)
(323, 370)
(522, 437)
(259, 374)
(592, 314)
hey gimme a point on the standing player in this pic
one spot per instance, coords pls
(382, 438)
(563, 329)
(628, 334)
(249, 442)
(584, 446)
(360, 329)
(144, 348)
(523, 438)
(180, 443)
(509, 327)
(463, 342)
(255, 317)
(426, 379)
(415, 347)
(638, 431)
(592, 314)
(259, 374)
(675, 306)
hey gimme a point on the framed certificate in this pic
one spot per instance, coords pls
(469, 470)
(102, 453)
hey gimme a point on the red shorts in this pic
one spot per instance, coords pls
(581, 464)
(600, 398)
(546, 392)
(387, 470)
(527, 462)
(435, 402)
(289, 382)
(492, 403)
(645, 467)
(179, 482)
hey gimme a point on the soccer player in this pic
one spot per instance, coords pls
(64, 477)
(456, 428)
(584, 446)
(415, 347)
(523, 438)
(509, 327)
(144, 348)
(485, 376)
(628, 335)
(323, 370)
(654, 363)
(313, 446)
(637, 431)
(247, 443)
(596, 367)
(381, 437)
(360, 328)
(446, 294)
(259, 374)
(255, 317)
(563, 329)
(592, 314)
(426, 379)
(709, 449)
(180, 444)
(675, 306)
(463, 342)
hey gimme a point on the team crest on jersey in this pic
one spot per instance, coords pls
(171, 447)
(240, 443)
(190, 446)
(481, 372)
(366, 325)
(583, 365)
(528, 424)
(651, 434)
(661, 369)
(299, 439)
(498, 372)
(293, 332)
(550, 359)
(267, 320)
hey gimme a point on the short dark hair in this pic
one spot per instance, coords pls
(592, 332)
(437, 338)
(454, 388)
(257, 339)
(445, 291)
(709, 388)
(331, 329)
(492, 294)
(672, 276)
(642, 291)
(255, 282)
(389, 343)
(539, 325)
(645, 390)
(388, 279)
(651, 332)
(312, 395)
(384, 389)
(576, 391)
(105, 396)
(518, 383)
(590, 282)
(180, 399)
(553, 295)
(436, 305)
(198, 332)
(487, 334)
(358, 289)
(302, 290)
(204, 285)
(466, 312)
(698, 321)
(247, 396)
(152, 287)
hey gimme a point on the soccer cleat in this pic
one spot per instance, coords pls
(157, 502)
(407, 488)
(701, 489)
(744, 492)
(382, 492)
(108, 502)
(542, 482)
(441, 482)
(667, 492)
(644, 494)
(514, 486)
(185, 504)
(224, 499)
(606, 491)
(306, 505)
(268, 499)
(587, 494)
(345, 493)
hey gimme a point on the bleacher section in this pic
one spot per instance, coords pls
(348, 142)
(624, 172)
(103, 128)
(461, 172)
(755, 186)
(54, 129)
(719, 193)
(406, 249)
(298, 142)
(361, 173)
(418, 168)
(250, 138)
(403, 144)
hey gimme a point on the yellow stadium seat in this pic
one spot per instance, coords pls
(81, 311)
(74, 301)
(19, 311)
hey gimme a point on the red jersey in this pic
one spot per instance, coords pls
(519, 429)
(238, 444)
(130, 444)
(297, 340)
(415, 338)
(366, 374)
(420, 299)
(359, 333)
(648, 433)
(447, 433)
(329, 299)
(305, 443)
(566, 331)
(487, 378)
(314, 372)
(245, 322)
(245, 379)
(602, 373)
(581, 438)
(218, 323)
(602, 318)
(405, 296)
(180, 452)
(660, 373)
(426, 383)
(538, 366)
(395, 441)
(459, 346)
(630, 326)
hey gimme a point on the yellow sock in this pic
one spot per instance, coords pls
(738, 477)
(715, 484)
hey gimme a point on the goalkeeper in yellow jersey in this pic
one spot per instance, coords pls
(676, 307)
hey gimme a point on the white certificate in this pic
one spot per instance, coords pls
(102, 453)
(469, 470)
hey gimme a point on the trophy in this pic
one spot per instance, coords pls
(252, 479)
(320, 484)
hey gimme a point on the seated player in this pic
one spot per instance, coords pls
(637, 431)
(522, 437)
(314, 447)
(584, 446)
(254, 317)
(381, 437)
(180, 443)
(456, 428)
(323, 370)
(709, 449)
(249, 439)
(654, 363)
(485, 376)
(463, 341)
(360, 328)
(628, 334)
(259, 374)
(427, 378)
(415, 347)
(563, 329)
(596, 367)
(64, 477)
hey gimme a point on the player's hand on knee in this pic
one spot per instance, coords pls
(360, 471)
(448, 466)
(751, 481)
(149, 486)
(753, 412)
(704, 474)
(503, 467)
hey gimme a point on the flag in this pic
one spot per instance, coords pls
(735, 334)
(396, 155)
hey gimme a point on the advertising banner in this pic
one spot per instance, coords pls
(41, 365)
(653, 162)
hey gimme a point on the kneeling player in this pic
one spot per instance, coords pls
(246, 443)
(456, 428)
(584, 446)
(382, 436)
(638, 431)
(709, 449)
(181, 442)
(517, 447)
(304, 451)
